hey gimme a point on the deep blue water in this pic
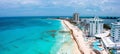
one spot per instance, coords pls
(30, 36)
(43, 17)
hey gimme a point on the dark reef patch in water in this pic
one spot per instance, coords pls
(44, 39)
(15, 46)
(2, 47)
(53, 35)
(16, 40)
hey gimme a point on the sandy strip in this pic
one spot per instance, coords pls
(77, 36)
(69, 47)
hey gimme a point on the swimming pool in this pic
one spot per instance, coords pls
(97, 48)
(96, 42)
(96, 45)
(114, 51)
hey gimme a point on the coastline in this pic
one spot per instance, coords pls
(78, 38)
(68, 47)
(33, 38)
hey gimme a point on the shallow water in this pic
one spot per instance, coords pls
(31, 36)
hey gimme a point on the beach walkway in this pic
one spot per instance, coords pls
(78, 37)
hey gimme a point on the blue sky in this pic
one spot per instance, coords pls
(59, 7)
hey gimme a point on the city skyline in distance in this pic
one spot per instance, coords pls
(59, 7)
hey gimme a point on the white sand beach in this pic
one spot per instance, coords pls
(69, 47)
(76, 33)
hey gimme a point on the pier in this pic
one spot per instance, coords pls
(63, 31)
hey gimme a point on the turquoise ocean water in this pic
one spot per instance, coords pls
(31, 36)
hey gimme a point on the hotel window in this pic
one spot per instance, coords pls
(113, 34)
(90, 21)
(100, 22)
(117, 40)
(112, 30)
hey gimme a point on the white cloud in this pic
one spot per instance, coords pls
(29, 2)
(19, 3)
(82, 5)
(70, 3)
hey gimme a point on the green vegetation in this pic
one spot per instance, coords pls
(110, 51)
(74, 23)
(106, 26)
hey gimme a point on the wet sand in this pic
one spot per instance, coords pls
(69, 47)
(77, 35)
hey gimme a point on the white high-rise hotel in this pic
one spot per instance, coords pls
(115, 31)
(96, 26)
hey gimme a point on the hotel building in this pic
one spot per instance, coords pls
(115, 31)
(76, 18)
(113, 42)
(95, 26)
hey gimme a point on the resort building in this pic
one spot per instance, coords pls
(115, 31)
(95, 26)
(113, 43)
(76, 18)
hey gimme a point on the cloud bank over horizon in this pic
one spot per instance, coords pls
(59, 7)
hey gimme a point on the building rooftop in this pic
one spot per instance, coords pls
(109, 43)
(105, 34)
(118, 20)
(95, 19)
(116, 23)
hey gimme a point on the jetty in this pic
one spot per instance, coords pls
(63, 31)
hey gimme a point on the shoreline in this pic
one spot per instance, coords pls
(73, 38)
(78, 38)
(70, 46)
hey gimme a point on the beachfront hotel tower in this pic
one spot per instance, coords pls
(95, 26)
(76, 18)
(115, 31)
